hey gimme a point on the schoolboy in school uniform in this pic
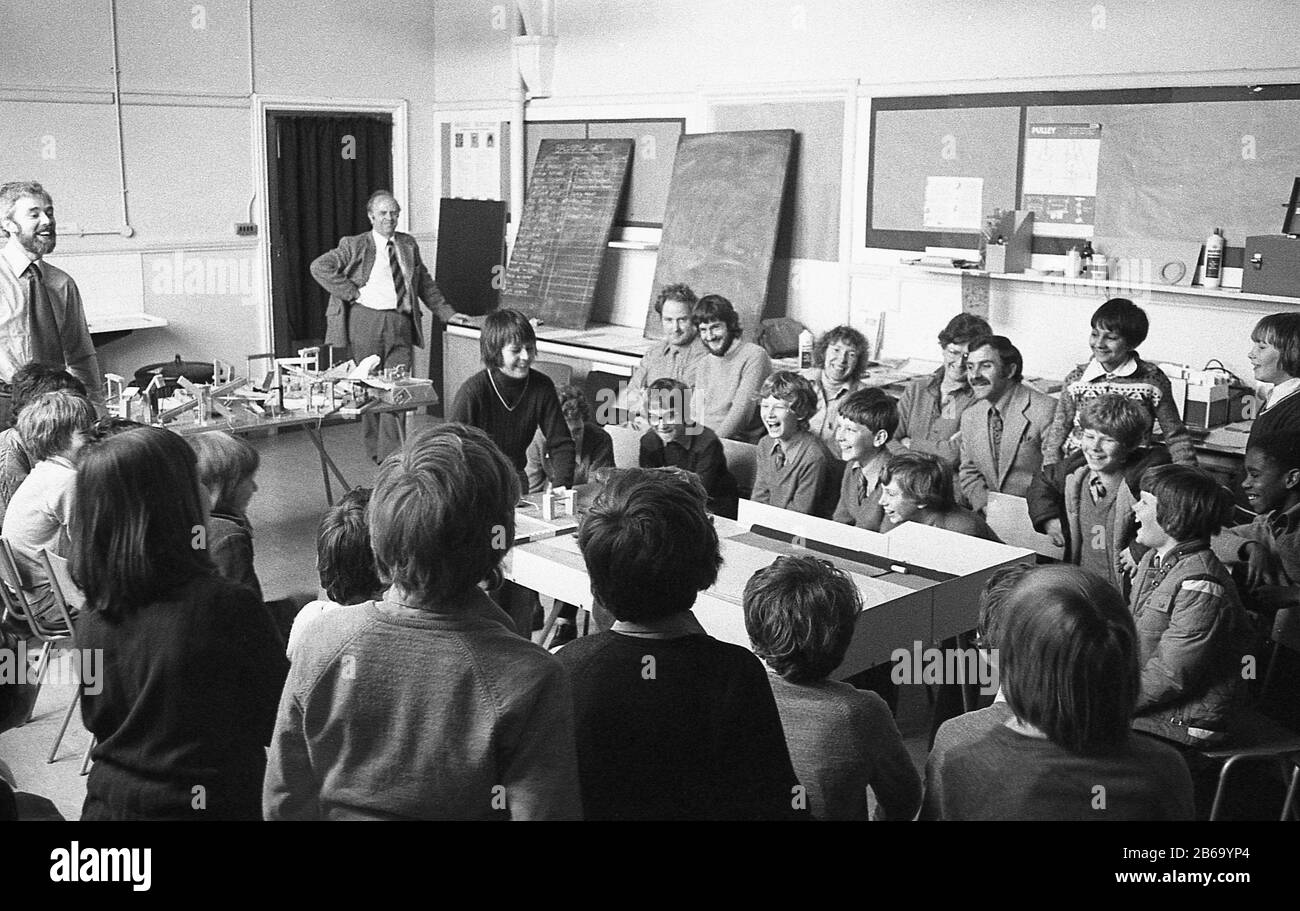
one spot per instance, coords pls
(674, 440)
(1090, 510)
(1192, 628)
(868, 419)
(1275, 357)
(1118, 327)
(791, 471)
(800, 615)
(1272, 483)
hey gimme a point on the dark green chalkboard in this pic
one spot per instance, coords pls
(724, 205)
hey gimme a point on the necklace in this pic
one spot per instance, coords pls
(501, 398)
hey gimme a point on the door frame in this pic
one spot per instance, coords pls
(286, 104)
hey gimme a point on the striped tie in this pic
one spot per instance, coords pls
(995, 434)
(399, 281)
(778, 457)
(1097, 488)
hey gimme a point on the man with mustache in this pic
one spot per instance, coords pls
(727, 381)
(41, 316)
(1002, 431)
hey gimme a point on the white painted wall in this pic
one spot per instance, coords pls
(624, 57)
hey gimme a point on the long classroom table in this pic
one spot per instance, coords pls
(919, 584)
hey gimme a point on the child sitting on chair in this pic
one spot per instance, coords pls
(30, 381)
(344, 560)
(1087, 505)
(1192, 628)
(800, 614)
(867, 421)
(792, 463)
(53, 428)
(674, 440)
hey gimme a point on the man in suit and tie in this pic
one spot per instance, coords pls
(1002, 431)
(41, 316)
(374, 280)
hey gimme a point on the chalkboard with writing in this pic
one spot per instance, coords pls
(568, 216)
(724, 205)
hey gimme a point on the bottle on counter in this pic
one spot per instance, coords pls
(1073, 263)
(1212, 277)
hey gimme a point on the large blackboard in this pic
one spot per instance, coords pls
(1174, 163)
(471, 253)
(568, 216)
(724, 204)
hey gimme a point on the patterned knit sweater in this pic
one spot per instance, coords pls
(1146, 384)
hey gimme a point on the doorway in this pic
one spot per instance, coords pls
(321, 166)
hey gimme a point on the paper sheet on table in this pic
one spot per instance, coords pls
(954, 202)
(1008, 516)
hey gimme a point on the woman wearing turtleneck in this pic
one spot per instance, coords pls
(510, 401)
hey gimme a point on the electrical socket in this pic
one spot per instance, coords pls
(245, 229)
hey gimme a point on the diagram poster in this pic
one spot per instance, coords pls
(1060, 177)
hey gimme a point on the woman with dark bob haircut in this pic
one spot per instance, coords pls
(426, 704)
(800, 614)
(1069, 665)
(192, 667)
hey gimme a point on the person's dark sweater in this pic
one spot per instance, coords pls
(532, 403)
(1006, 775)
(1285, 415)
(185, 705)
(700, 451)
(682, 728)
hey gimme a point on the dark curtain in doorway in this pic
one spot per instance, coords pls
(325, 168)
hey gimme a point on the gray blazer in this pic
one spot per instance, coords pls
(1026, 416)
(345, 269)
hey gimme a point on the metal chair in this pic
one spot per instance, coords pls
(67, 597)
(53, 634)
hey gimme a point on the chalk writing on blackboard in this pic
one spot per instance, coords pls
(568, 216)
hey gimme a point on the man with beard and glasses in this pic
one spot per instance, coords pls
(727, 381)
(41, 316)
(1002, 432)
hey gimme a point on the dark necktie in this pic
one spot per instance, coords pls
(1098, 489)
(778, 457)
(47, 345)
(399, 281)
(995, 434)
(863, 492)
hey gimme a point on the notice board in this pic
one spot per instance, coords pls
(724, 207)
(1173, 164)
(471, 253)
(569, 210)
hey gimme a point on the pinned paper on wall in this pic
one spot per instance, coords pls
(475, 160)
(954, 203)
(1060, 179)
